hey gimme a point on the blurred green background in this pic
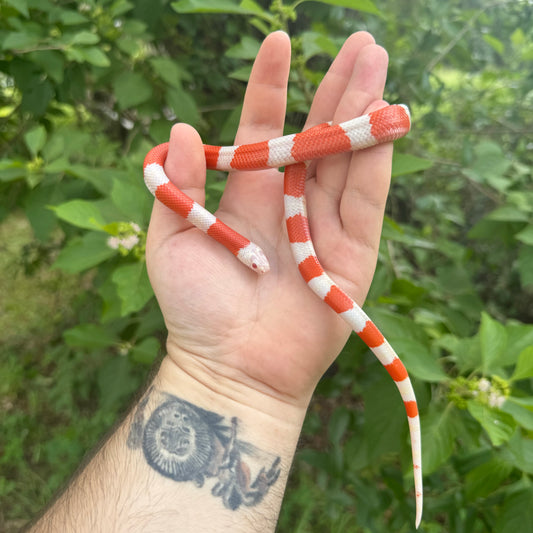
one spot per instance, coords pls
(87, 88)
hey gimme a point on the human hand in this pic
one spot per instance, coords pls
(239, 331)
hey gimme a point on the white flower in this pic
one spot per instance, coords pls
(135, 227)
(124, 348)
(496, 400)
(113, 242)
(484, 385)
(129, 242)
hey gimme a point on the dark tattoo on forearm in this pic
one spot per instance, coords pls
(186, 443)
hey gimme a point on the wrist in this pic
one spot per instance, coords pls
(217, 387)
(232, 455)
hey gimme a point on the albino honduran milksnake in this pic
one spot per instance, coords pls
(292, 152)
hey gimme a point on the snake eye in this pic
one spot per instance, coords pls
(254, 266)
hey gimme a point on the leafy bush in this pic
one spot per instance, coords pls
(87, 88)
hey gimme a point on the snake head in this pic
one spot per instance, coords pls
(254, 258)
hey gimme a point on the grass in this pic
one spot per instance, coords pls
(36, 304)
(35, 299)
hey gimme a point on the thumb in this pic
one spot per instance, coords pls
(185, 168)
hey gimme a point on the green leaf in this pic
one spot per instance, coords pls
(36, 97)
(131, 89)
(51, 61)
(82, 253)
(20, 41)
(119, 7)
(132, 198)
(98, 177)
(523, 414)
(35, 139)
(230, 125)
(438, 438)
(183, 105)
(85, 38)
(490, 166)
(146, 351)
(396, 233)
(525, 265)
(518, 37)
(315, 43)
(486, 478)
(508, 213)
(495, 43)
(80, 213)
(11, 170)
(20, 5)
(247, 48)
(130, 45)
(498, 424)
(54, 153)
(407, 292)
(408, 164)
(493, 341)
(418, 360)
(525, 402)
(72, 18)
(254, 7)
(42, 220)
(134, 28)
(359, 5)
(242, 73)
(115, 382)
(517, 513)
(338, 424)
(526, 235)
(169, 71)
(216, 6)
(89, 337)
(524, 367)
(519, 337)
(7, 110)
(159, 130)
(317, 459)
(111, 307)
(133, 286)
(384, 418)
(521, 450)
(94, 56)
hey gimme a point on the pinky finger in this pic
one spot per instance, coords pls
(365, 194)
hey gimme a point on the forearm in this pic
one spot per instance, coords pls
(187, 458)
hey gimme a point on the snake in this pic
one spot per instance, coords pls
(294, 152)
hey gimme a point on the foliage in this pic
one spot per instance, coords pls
(87, 88)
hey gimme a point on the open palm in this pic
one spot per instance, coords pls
(270, 332)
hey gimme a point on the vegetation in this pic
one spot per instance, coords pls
(86, 88)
